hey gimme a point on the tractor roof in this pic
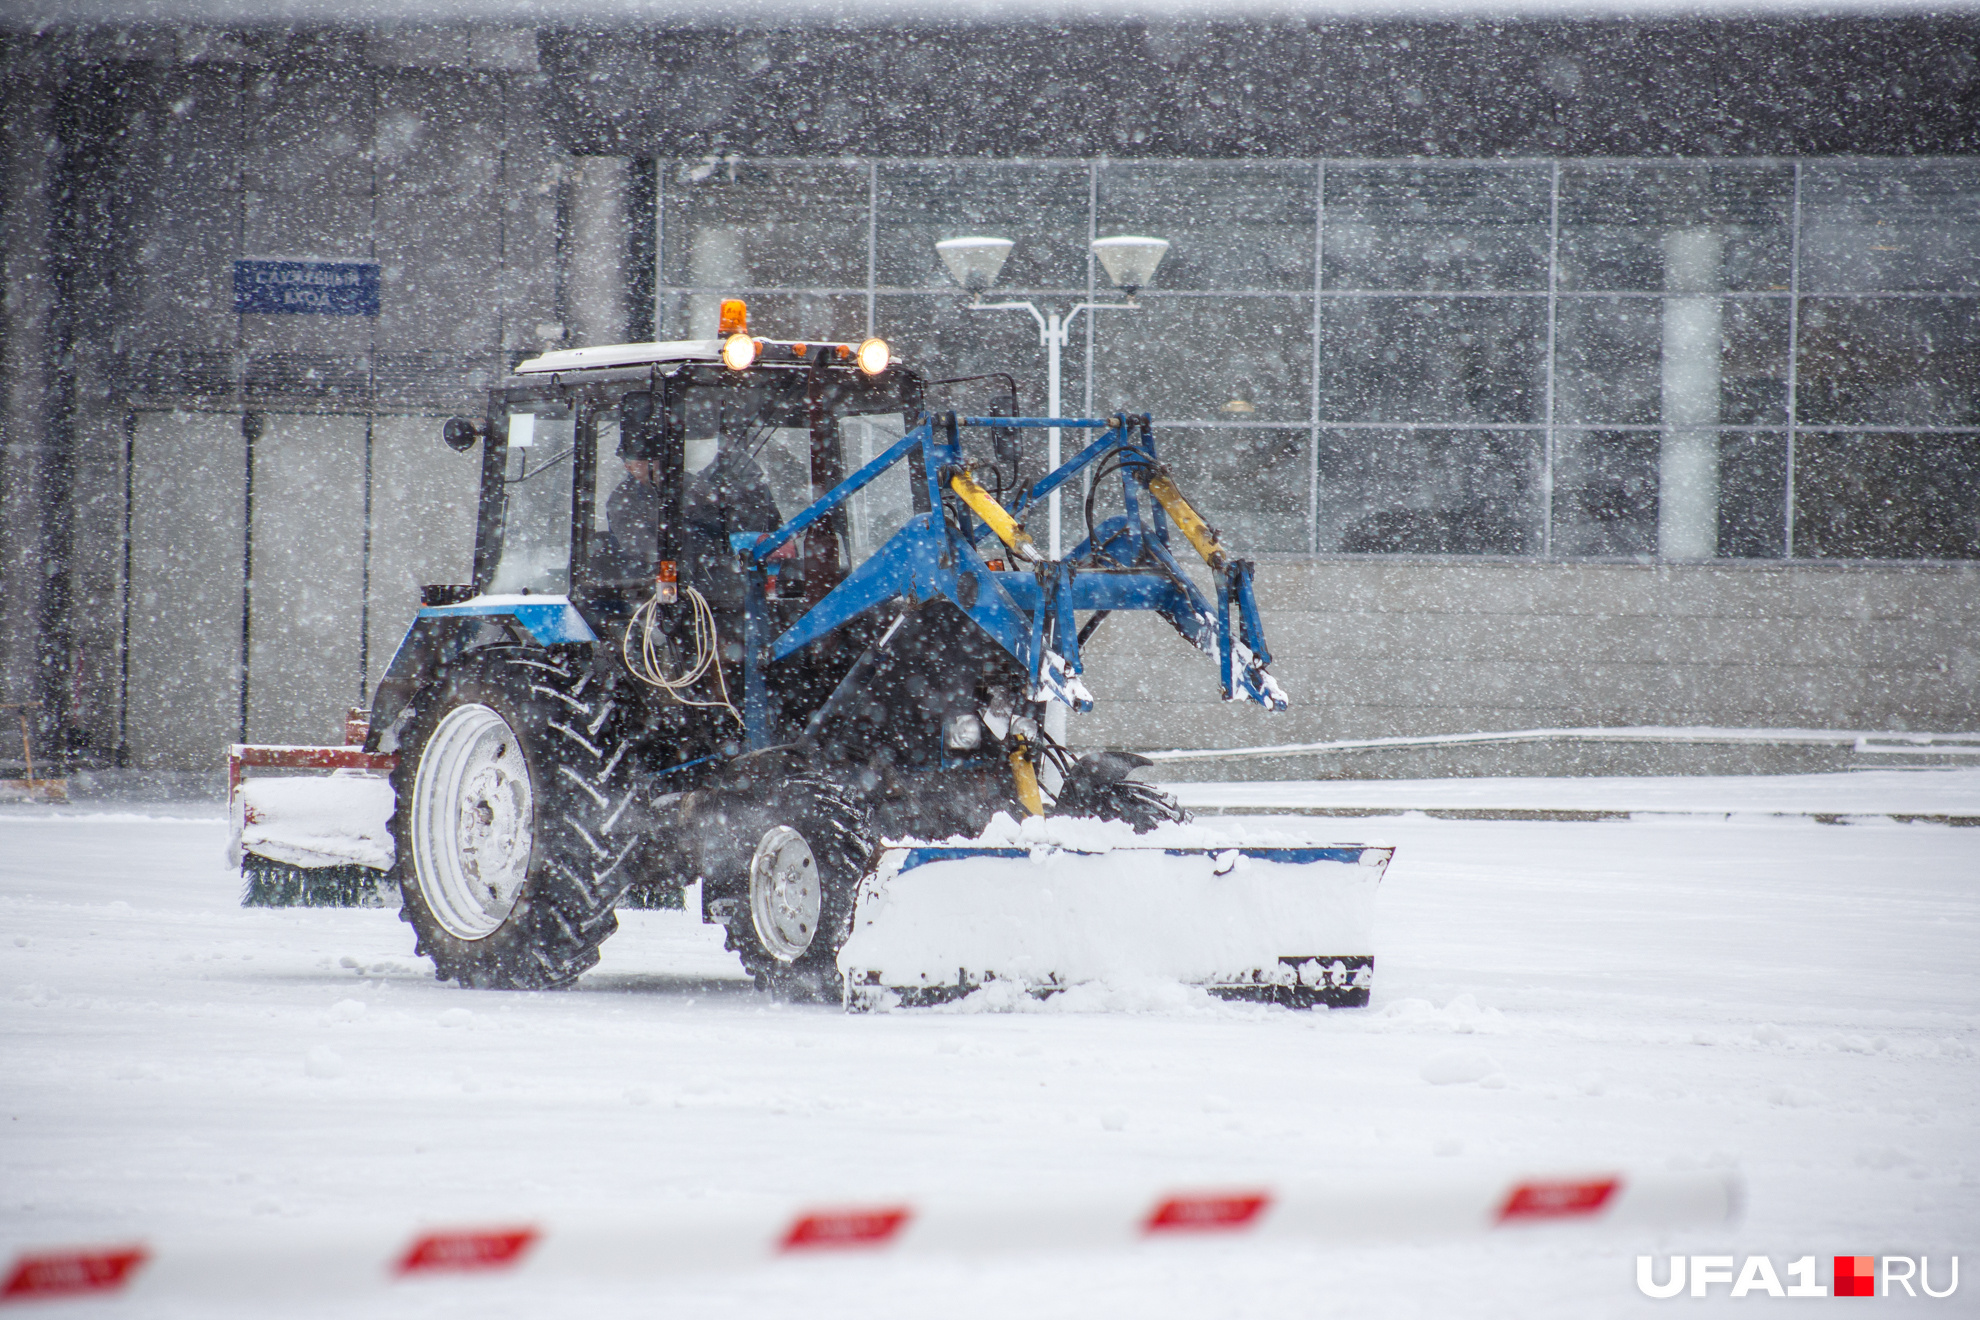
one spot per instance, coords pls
(605, 357)
(623, 355)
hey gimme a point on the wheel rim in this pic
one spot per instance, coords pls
(473, 819)
(784, 896)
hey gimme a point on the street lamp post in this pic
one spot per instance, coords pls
(975, 263)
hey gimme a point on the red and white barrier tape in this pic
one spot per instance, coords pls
(325, 1263)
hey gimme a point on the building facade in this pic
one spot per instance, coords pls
(1550, 387)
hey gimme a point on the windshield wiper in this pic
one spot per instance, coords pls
(548, 463)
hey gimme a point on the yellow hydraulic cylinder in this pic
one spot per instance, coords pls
(1187, 520)
(1008, 529)
(1025, 778)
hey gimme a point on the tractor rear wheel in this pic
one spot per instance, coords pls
(512, 790)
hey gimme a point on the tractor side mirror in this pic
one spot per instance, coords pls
(1004, 442)
(460, 433)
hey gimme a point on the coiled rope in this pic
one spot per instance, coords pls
(649, 667)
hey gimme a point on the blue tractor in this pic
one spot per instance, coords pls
(755, 620)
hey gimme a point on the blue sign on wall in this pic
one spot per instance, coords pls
(324, 288)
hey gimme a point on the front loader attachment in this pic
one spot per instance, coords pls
(1057, 903)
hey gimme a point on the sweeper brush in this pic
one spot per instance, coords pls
(754, 626)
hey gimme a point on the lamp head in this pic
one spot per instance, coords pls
(974, 263)
(1131, 261)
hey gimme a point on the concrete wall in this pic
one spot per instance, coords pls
(132, 382)
(1380, 648)
(350, 516)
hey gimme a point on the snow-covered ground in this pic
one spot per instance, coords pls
(1793, 999)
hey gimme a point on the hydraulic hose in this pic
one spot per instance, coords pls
(648, 667)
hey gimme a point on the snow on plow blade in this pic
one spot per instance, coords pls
(1279, 922)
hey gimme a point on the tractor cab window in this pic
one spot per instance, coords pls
(784, 454)
(539, 461)
(625, 502)
(881, 509)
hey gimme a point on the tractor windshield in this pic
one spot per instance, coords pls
(767, 429)
(538, 467)
(784, 453)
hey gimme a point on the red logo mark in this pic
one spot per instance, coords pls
(466, 1249)
(1856, 1276)
(1207, 1212)
(67, 1273)
(831, 1229)
(1558, 1200)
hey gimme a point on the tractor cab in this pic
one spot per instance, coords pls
(609, 470)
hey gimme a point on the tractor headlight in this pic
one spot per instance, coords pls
(738, 352)
(962, 732)
(875, 357)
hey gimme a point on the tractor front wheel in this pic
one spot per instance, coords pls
(784, 864)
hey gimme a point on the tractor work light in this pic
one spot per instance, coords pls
(875, 357)
(738, 351)
(962, 732)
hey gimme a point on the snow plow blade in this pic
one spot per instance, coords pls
(1281, 923)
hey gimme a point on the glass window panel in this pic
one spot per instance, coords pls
(1250, 483)
(839, 318)
(1889, 361)
(1433, 359)
(625, 506)
(1752, 495)
(740, 225)
(1880, 495)
(939, 337)
(1207, 359)
(608, 472)
(1622, 360)
(1436, 227)
(1753, 360)
(1229, 226)
(1430, 492)
(1644, 227)
(1043, 208)
(1607, 360)
(1606, 493)
(1891, 225)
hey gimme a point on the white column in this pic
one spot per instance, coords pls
(1688, 462)
(715, 261)
(595, 282)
